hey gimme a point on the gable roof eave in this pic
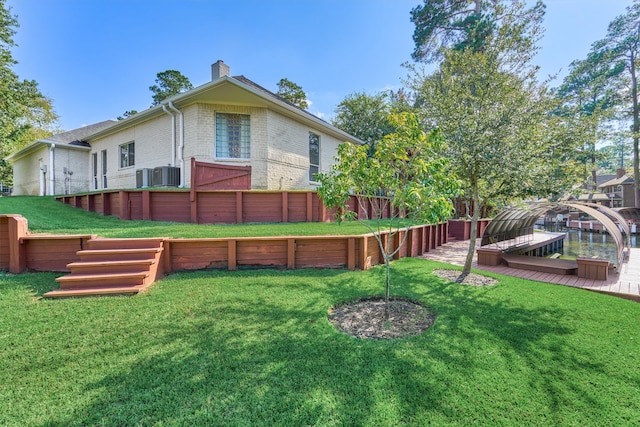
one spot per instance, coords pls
(198, 94)
(36, 145)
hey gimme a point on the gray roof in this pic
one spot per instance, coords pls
(73, 139)
(624, 179)
(76, 136)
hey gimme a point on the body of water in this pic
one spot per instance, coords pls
(586, 244)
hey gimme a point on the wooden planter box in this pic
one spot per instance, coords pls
(489, 256)
(593, 268)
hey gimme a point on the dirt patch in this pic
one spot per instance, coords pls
(472, 279)
(364, 318)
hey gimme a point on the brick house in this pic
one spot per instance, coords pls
(230, 121)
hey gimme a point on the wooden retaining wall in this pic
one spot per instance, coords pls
(211, 207)
(20, 251)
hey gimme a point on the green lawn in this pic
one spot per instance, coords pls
(255, 348)
(45, 215)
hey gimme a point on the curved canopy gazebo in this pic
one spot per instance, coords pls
(515, 222)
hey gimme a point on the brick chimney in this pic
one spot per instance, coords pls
(219, 69)
(620, 172)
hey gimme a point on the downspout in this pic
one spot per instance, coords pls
(173, 134)
(181, 145)
(52, 172)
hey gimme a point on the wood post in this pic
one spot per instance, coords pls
(18, 228)
(291, 254)
(146, 205)
(309, 206)
(285, 206)
(232, 255)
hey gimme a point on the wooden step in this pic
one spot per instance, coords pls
(103, 280)
(104, 243)
(94, 291)
(118, 254)
(111, 266)
(546, 265)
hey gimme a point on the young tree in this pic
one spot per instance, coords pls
(168, 84)
(292, 93)
(407, 168)
(25, 114)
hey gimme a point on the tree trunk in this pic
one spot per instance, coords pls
(387, 262)
(636, 130)
(474, 226)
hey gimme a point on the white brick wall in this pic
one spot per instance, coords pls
(152, 146)
(279, 147)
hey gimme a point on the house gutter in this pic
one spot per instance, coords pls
(52, 173)
(173, 134)
(181, 143)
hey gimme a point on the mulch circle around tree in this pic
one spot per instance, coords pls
(472, 279)
(364, 318)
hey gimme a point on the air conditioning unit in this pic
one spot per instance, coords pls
(166, 176)
(144, 178)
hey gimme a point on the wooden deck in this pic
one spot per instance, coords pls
(623, 283)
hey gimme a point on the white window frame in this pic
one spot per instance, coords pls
(223, 152)
(314, 168)
(127, 159)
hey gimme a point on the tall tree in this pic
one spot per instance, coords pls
(622, 45)
(473, 24)
(293, 93)
(168, 84)
(497, 128)
(407, 166)
(25, 113)
(590, 92)
(365, 117)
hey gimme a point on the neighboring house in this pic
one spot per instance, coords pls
(229, 121)
(54, 165)
(619, 190)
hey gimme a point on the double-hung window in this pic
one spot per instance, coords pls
(314, 155)
(232, 136)
(127, 155)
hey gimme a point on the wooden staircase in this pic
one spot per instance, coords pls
(112, 267)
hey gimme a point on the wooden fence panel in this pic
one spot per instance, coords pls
(213, 176)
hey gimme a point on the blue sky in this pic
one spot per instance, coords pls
(97, 58)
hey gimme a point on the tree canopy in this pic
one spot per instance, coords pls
(495, 116)
(293, 93)
(407, 168)
(169, 83)
(25, 113)
(473, 25)
(621, 48)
